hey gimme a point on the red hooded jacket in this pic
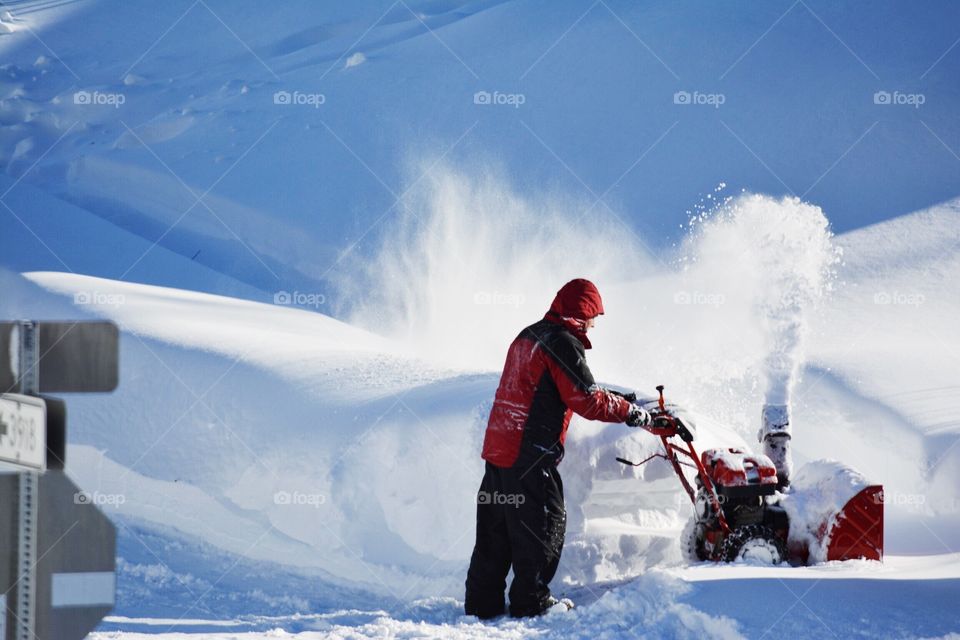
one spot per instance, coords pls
(545, 379)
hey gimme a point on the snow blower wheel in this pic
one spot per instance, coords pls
(754, 543)
(692, 542)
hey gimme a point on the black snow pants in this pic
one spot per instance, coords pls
(521, 522)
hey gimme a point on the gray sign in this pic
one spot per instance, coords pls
(73, 356)
(76, 549)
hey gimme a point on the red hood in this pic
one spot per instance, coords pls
(575, 303)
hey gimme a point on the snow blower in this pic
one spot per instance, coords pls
(739, 513)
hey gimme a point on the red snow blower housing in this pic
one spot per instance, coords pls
(738, 512)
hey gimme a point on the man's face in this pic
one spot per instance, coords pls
(590, 323)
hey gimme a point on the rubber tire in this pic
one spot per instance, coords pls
(734, 543)
(690, 548)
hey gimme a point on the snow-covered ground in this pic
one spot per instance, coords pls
(318, 245)
(906, 597)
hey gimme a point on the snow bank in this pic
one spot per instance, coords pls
(306, 348)
(8, 24)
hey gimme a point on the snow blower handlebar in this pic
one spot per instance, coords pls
(665, 425)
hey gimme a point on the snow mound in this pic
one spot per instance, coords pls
(819, 491)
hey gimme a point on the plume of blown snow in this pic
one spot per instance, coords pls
(723, 323)
(468, 262)
(781, 251)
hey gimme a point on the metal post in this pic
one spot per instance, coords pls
(28, 362)
(27, 556)
(29, 379)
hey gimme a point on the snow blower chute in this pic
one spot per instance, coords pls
(743, 512)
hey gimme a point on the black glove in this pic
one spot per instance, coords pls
(638, 417)
(629, 397)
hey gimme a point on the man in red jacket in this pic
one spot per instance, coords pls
(521, 520)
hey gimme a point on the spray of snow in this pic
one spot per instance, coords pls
(780, 251)
(468, 262)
